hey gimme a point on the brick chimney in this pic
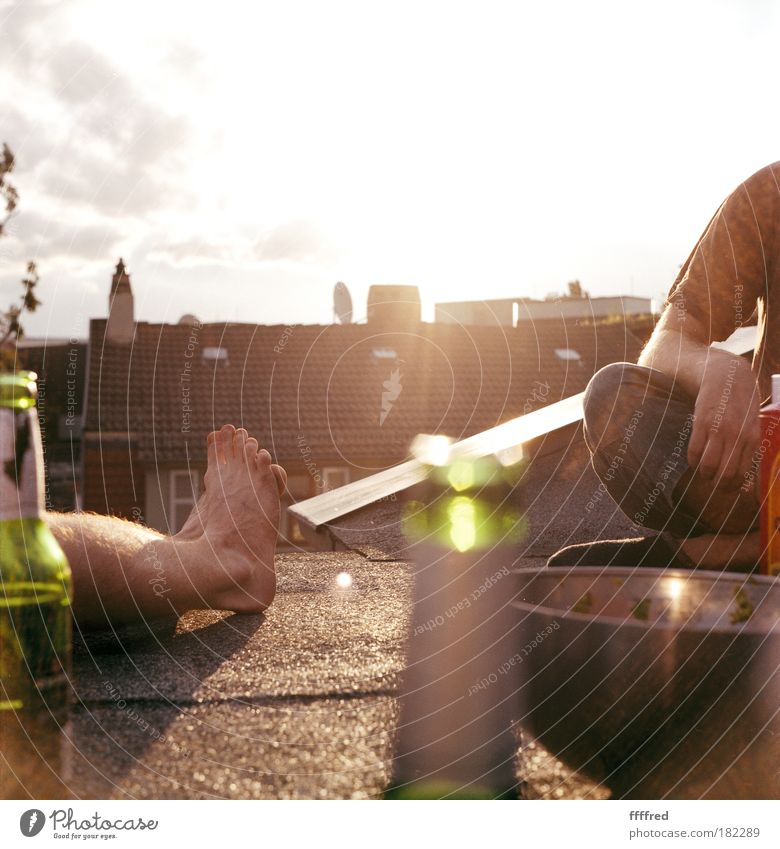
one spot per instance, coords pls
(121, 324)
(393, 306)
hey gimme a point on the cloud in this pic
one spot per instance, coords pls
(187, 61)
(54, 238)
(21, 36)
(107, 146)
(198, 251)
(26, 138)
(122, 180)
(80, 75)
(295, 241)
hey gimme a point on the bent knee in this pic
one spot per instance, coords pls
(613, 396)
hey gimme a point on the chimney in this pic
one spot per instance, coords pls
(121, 325)
(393, 306)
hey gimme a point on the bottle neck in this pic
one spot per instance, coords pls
(21, 465)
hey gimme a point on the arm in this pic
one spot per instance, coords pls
(725, 432)
(726, 275)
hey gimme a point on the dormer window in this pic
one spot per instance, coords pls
(567, 354)
(384, 354)
(218, 356)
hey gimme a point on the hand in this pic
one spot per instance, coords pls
(726, 430)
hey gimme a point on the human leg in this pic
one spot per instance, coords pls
(637, 424)
(222, 558)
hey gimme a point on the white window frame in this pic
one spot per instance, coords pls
(175, 502)
(286, 524)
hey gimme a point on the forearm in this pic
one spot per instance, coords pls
(725, 426)
(683, 351)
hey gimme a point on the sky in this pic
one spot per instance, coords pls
(242, 158)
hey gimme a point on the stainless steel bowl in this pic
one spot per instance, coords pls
(657, 683)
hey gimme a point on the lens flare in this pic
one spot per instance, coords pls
(463, 523)
(461, 475)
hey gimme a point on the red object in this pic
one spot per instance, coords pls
(769, 417)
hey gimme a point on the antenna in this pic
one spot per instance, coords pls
(342, 303)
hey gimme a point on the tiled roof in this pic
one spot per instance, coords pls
(320, 388)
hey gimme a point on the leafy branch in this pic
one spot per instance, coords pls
(11, 328)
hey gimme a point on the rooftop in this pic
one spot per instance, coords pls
(347, 391)
(300, 702)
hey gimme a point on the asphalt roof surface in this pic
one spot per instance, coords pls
(297, 703)
(300, 702)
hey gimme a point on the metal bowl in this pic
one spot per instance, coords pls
(657, 683)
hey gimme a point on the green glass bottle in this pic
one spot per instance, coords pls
(35, 617)
(459, 695)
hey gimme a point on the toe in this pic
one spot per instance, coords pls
(281, 478)
(263, 460)
(216, 450)
(215, 455)
(226, 435)
(239, 441)
(250, 449)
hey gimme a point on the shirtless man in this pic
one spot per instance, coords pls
(675, 438)
(222, 558)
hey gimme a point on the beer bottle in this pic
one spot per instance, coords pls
(459, 694)
(769, 418)
(35, 617)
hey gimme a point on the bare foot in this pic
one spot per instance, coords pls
(735, 552)
(232, 530)
(194, 526)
